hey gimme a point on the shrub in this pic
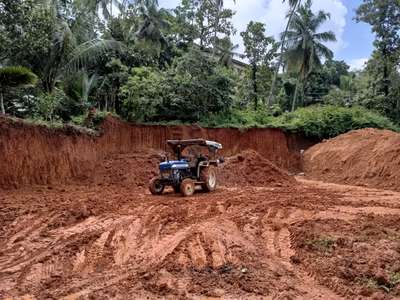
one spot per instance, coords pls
(329, 121)
(16, 76)
(48, 104)
(314, 121)
(96, 121)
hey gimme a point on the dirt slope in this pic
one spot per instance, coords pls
(368, 157)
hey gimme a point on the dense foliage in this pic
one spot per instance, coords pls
(315, 121)
(192, 88)
(149, 64)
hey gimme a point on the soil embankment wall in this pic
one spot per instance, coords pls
(37, 155)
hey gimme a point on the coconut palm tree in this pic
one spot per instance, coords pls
(105, 6)
(293, 4)
(305, 44)
(226, 51)
(153, 21)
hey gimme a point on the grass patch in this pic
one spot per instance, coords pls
(373, 284)
(394, 279)
(323, 244)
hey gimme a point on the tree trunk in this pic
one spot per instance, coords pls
(398, 108)
(296, 94)
(215, 34)
(273, 87)
(385, 72)
(3, 111)
(255, 87)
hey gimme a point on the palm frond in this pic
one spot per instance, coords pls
(292, 3)
(90, 51)
(323, 51)
(319, 19)
(328, 36)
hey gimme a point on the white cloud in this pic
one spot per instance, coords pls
(357, 64)
(273, 12)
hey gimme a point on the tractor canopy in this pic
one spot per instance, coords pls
(199, 142)
(179, 146)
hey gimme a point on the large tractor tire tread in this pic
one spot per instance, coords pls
(208, 176)
(187, 187)
(156, 187)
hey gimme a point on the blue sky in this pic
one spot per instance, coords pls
(354, 40)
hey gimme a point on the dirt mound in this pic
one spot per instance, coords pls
(128, 170)
(250, 169)
(367, 157)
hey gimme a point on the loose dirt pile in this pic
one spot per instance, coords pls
(128, 170)
(251, 169)
(368, 157)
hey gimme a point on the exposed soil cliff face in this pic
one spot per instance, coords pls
(38, 155)
(368, 157)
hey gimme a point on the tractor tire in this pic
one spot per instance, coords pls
(208, 176)
(187, 187)
(156, 187)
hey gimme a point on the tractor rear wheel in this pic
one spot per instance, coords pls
(208, 176)
(156, 187)
(187, 187)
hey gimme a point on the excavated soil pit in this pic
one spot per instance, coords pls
(262, 235)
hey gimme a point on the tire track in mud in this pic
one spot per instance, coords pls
(177, 245)
(278, 238)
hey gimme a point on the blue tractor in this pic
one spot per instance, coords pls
(195, 164)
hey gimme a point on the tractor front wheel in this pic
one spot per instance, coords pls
(156, 187)
(208, 176)
(187, 187)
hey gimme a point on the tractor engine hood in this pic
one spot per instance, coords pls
(174, 164)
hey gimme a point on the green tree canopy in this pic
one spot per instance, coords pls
(260, 49)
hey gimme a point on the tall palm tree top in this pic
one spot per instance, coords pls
(304, 42)
(292, 3)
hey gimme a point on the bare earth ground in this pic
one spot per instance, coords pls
(309, 241)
